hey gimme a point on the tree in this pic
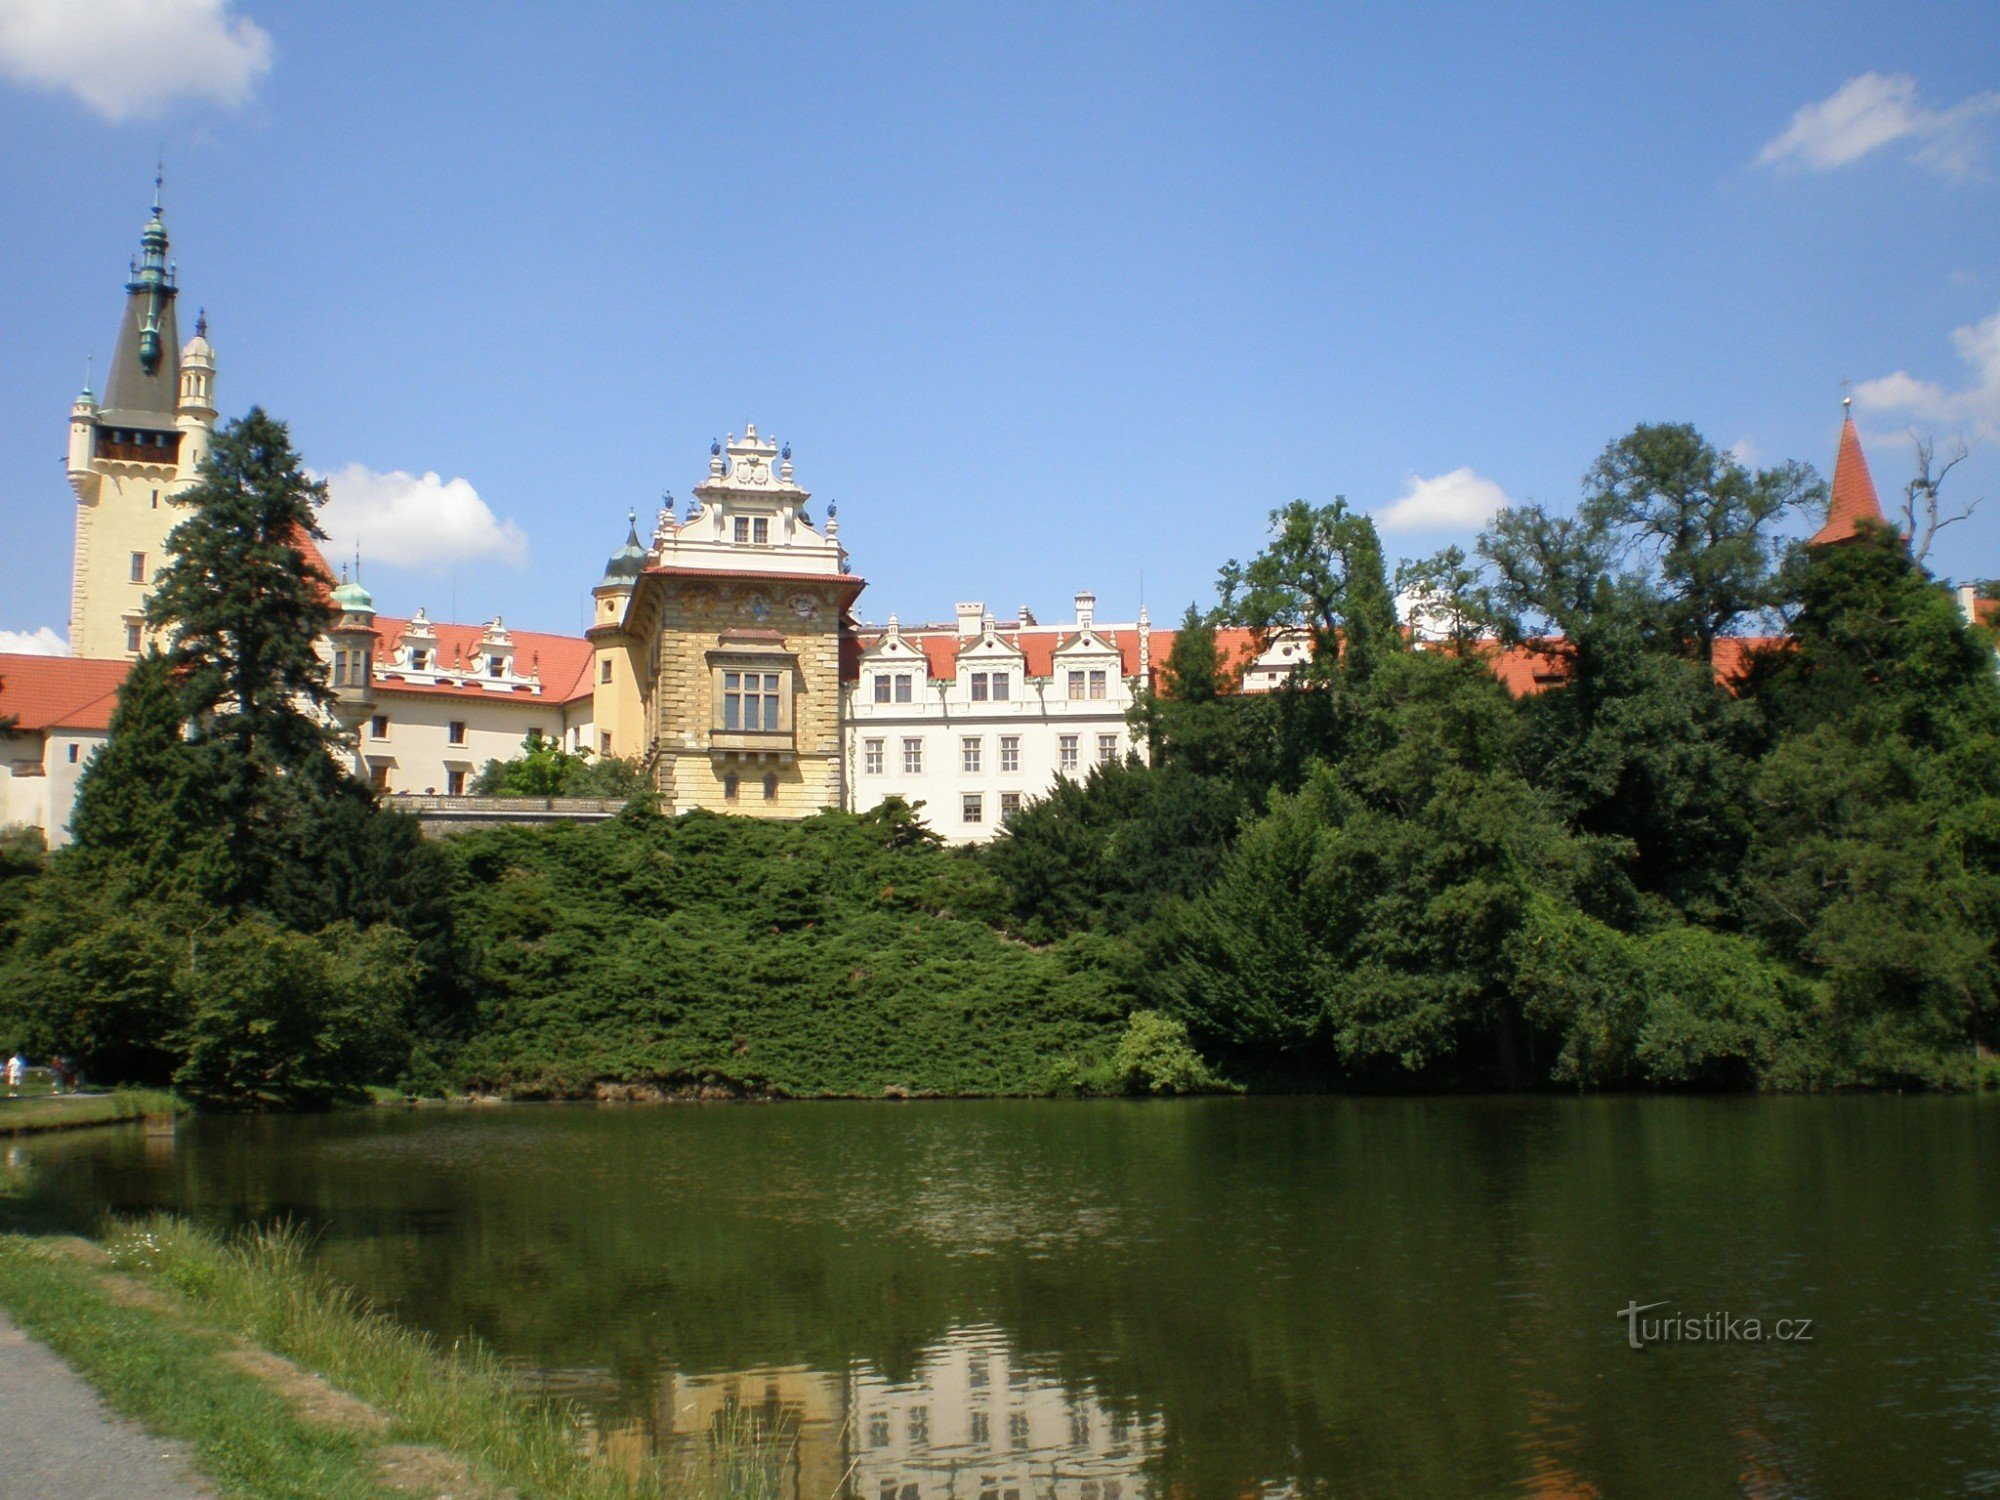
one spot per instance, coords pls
(1923, 511)
(137, 803)
(1321, 573)
(1447, 601)
(545, 769)
(244, 608)
(1701, 528)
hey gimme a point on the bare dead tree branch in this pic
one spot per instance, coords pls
(1923, 513)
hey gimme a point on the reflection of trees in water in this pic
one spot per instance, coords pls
(1398, 1296)
(971, 1423)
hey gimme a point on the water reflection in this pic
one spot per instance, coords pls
(974, 1422)
(1205, 1301)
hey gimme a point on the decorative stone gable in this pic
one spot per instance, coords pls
(720, 657)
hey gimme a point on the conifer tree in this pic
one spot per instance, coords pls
(243, 606)
(135, 804)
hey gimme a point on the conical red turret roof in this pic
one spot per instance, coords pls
(1853, 492)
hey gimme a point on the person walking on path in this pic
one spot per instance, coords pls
(17, 1069)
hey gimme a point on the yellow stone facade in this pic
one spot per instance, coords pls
(718, 646)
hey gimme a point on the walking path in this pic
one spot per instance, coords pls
(58, 1440)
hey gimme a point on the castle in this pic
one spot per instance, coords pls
(724, 655)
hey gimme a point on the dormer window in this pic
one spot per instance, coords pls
(990, 686)
(420, 660)
(496, 666)
(892, 687)
(754, 531)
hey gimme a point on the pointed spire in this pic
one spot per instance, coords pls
(89, 364)
(1854, 501)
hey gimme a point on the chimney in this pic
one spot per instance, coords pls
(969, 616)
(1968, 602)
(1086, 607)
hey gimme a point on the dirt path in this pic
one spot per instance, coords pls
(58, 1439)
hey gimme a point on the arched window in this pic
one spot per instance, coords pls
(729, 785)
(771, 788)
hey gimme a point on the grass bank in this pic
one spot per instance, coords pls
(285, 1384)
(34, 1112)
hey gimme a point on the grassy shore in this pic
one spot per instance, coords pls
(283, 1383)
(32, 1112)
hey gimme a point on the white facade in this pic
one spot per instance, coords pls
(1008, 712)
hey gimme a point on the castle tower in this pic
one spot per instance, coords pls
(718, 648)
(133, 454)
(1854, 502)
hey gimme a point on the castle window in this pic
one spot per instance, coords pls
(156, 499)
(969, 753)
(1097, 684)
(878, 1437)
(496, 666)
(138, 567)
(1076, 685)
(73, 753)
(920, 1426)
(419, 659)
(604, 743)
(378, 727)
(902, 687)
(750, 701)
(454, 783)
(1010, 803)
(978, 687)
(913, 757)
(1017, 1428)
(1066, 753)
(760, 532)
(742, 529)
(871, 757)
(378, 775)
(1000, 680)
(982, 1430)
(604, 670)
(972, 808)
(729, 785)
(770, 788)
(132, 638)
(1107, 749)
(455, 733)
(882, 687)
(1010, 752)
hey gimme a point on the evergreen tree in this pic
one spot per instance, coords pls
(244, 607)
(137, 808)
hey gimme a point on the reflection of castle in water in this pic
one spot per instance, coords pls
(972, 1424)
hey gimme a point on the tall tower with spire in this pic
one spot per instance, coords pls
(132, 454)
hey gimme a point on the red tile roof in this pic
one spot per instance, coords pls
(59, 692)
(1853, 493)
(564, 661)
(940, 645)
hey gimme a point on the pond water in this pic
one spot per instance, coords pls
(1109, 1301)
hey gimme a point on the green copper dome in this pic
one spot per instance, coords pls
(629, 561)
(353, 599)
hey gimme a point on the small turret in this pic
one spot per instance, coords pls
(352, 637)
(82, 422)
(629, 561)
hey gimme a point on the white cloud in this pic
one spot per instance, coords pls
(409, 521)
(1976, 406)
(1872, 111)
(1458, 500)
(126, 58)
(42, 642)
(1746, 452)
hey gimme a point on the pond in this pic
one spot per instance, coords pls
(1109, 1301)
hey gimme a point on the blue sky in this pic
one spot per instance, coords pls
(1046, 297)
